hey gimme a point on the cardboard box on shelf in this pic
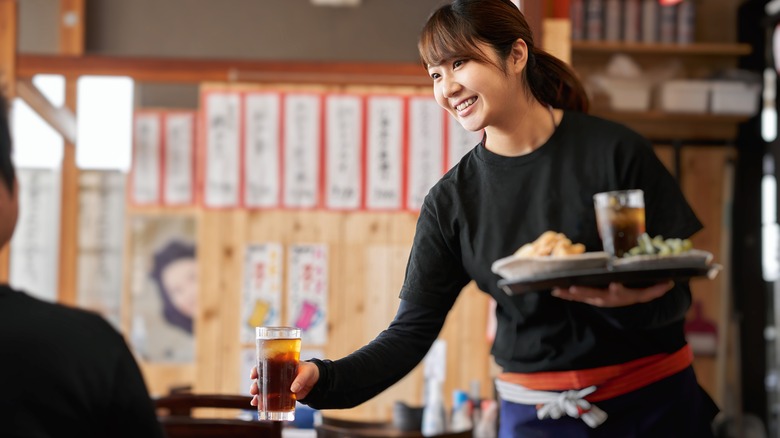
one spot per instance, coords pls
(733, 97)
(684, 96)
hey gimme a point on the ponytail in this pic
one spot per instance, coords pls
(553, 82)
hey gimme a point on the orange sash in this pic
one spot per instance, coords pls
(611, 380)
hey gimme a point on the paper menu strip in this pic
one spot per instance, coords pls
(262, 150)
(222, 135)
(301, 150)
(459, 141)
(147, 144)
(343, 146)
(384, 153)
(179, 158)
(426, 149)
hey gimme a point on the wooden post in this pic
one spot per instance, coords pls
(8, 37)
(71, 34)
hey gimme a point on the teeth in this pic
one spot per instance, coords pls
(466, 104)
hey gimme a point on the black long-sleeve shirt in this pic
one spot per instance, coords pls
(485, 208)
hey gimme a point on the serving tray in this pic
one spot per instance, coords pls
(635, 275)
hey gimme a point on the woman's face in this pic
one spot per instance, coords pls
(180, 280)
(476, 93)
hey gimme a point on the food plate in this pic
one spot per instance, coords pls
(693, 257)
(635, 275)
(519, 268)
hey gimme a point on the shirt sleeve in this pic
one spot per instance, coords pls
(435, 274)
(350, 381)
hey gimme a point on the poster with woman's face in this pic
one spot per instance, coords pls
(164, 288)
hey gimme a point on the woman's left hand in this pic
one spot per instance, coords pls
(616, 295)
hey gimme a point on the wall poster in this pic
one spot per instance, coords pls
(426, 149)
(163, 287)
(222, 158)
(262, 150)
(384, 153)
(344, 152)
(301, 150)
(147, 149)
(101, 242)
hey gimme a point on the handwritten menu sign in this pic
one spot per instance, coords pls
(261, 150)
(100, 246)
(222, 149)
(459, 141)
(307, 299)
(426, 149)
(384, 155)
(33, 265)
(301, 150)
(147, 145)
(262, 294)
(344, 119)
(179, 158)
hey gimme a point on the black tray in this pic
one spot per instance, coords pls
(630, 276)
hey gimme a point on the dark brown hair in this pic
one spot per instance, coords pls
(7, 175)
(454, 30)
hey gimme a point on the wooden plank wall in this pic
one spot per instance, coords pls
(367, 255)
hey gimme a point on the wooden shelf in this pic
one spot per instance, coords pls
(700, 49)
(662, 126)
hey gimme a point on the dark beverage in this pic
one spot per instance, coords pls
(277, 366)
(620, 217)
(620, 229)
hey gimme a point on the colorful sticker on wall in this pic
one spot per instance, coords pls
(147, 144)
(179, 147)
(262, 150)
(262, 294)
(343, 146)
(307, 292)
(222, 173)
(426, 148)
(301, 150)
(384, 161)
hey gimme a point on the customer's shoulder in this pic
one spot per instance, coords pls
(61, 318)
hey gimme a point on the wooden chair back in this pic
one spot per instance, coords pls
(175, 415)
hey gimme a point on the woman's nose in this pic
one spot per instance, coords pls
(450, 87)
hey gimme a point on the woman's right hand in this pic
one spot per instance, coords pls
(308, 375)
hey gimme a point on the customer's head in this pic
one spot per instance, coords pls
(9, 200)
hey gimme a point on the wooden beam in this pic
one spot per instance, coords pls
(71, 27)
(224, 70)
(69, 214)
(61, 119)
(8, 38)
(71, 36)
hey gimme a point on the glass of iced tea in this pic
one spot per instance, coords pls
(620, 216)
(278, 353)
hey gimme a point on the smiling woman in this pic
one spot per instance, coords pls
(539, 164)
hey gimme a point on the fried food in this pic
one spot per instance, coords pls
(550, 243)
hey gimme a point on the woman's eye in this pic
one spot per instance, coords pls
(457, 63)
(435, 76)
